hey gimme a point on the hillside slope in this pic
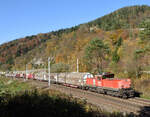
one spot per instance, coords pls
(66, 45)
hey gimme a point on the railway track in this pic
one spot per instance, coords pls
(140, 101)
(108, 103)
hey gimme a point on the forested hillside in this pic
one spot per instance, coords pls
(128, 17)
(125, 34)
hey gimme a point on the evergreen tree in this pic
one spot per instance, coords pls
(95, 53)
(145, 30)
(115, 56)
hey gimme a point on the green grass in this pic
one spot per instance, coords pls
(11, 87)
(145, 97)
(143, 86)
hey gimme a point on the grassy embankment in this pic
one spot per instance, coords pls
(143, 86)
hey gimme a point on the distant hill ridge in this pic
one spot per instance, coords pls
(122, 18)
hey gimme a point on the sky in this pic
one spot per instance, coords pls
(20, 18)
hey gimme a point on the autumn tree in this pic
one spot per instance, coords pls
(115, 56)
(60, 67)
(95, 54)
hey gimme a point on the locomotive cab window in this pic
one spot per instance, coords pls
(108, 76)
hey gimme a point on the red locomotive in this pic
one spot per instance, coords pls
(107, 84)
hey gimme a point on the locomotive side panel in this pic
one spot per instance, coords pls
(110, 83)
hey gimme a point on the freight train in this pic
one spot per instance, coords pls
(104, 83)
